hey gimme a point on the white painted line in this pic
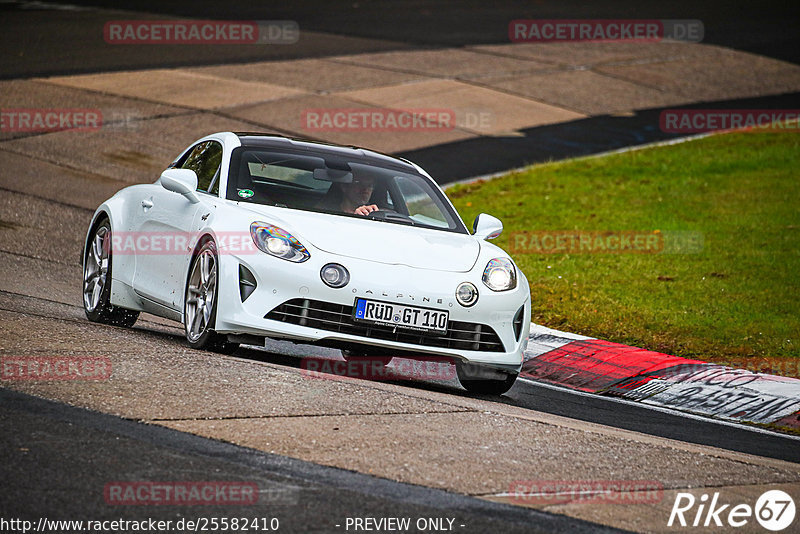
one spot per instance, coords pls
(579, 495)
(36, 5)
(543, 330)
(661, 409)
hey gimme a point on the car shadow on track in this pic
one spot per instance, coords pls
(321, 362)
(526, 394)
(486, 155)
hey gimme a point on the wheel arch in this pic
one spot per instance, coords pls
(114, 211)
(204, 238)
(99, 216)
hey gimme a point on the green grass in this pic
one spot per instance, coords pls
(737, 298)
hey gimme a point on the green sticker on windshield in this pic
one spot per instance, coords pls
(246, 193)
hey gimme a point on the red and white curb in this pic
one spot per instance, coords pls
(656, 379)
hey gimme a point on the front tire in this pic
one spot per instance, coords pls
(97, 281)
(200, 303)
(481, 380)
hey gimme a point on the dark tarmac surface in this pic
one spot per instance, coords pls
(57, 460)
(43, 41)
(60, 457)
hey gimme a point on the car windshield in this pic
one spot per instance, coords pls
(329, 184)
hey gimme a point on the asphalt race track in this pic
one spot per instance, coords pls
(762, 28)
(303, 496)
(45, 42)
(322, 450)
(163, 384)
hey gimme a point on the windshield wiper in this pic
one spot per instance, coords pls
(391, 216)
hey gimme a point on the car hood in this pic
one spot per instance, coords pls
(379, 241)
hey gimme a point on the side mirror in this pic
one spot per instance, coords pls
(486, 226)
(181, 181)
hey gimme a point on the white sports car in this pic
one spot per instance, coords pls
(252, 236)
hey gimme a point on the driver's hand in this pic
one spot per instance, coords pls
(366, 210)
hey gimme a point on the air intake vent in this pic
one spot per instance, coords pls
(247, 282)
(518, 322)
(339, 318)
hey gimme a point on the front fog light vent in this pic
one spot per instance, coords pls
(334, 275)
(247, 282)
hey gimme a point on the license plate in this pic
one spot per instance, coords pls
(409, 317)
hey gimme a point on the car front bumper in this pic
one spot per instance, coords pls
(290, 301)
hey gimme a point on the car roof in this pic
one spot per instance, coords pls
(262, 140)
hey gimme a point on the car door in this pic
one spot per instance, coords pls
(167, 226)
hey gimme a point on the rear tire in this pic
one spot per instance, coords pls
(473, 379)
(200, 303)
(97, 281)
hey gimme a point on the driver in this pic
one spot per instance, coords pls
(351, 197)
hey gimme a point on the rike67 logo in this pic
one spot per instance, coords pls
(774, 510)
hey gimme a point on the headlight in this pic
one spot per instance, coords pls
(500, 275)
(278, 242)
(466, 294)
(334, 275)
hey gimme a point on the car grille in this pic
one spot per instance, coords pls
(339, 318)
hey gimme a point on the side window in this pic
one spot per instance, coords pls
(421, 202)
(205, 160)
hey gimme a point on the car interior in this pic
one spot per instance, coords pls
(302, 182)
